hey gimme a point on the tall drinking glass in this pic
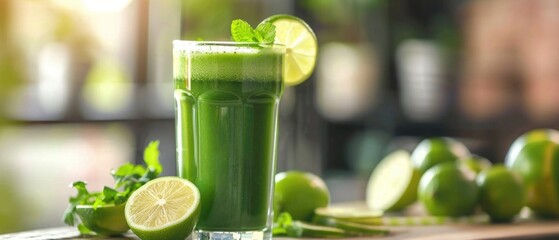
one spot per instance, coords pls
(227, 97)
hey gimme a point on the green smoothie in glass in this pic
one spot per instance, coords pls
(227, 97)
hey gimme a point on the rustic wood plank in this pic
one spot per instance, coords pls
(522, 230)
(55, 233)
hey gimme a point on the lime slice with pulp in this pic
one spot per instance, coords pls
(393, 183)
(347, 213)
(301, 47)
(164, 208)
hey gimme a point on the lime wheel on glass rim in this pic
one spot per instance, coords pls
(301, 47)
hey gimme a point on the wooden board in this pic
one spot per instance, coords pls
(526, 230)
(523, 228)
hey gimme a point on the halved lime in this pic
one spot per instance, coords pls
(393, 183)
(164, 208)
(106, 220)
(301, 44)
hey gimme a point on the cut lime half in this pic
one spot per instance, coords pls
(393, 183)
(106, 220)
(301, 47)
(164, 208)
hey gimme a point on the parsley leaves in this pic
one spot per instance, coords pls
(128, 178)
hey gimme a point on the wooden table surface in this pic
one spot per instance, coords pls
(522, 230)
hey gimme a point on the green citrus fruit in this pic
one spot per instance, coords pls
(393, 184)
(165, 208)
(433, 151)
(299, 194)
(448, 190)
(301, 44)
(535, 135)
(501, 193)
(538, 165)
(106, 220)
(476, 163)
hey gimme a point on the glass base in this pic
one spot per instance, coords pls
(215, 235)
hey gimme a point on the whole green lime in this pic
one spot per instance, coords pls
(448, 190)
(538, 165)
(106, 220)
(501, 193)
(535, 135)
(299, 194)
(475, 163)
(432, 151)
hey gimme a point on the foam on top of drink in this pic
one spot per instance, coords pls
(222, 61)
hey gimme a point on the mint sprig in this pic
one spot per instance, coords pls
(285, 226)
(127, 177)
(241, 31)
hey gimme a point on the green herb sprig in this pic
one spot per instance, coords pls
(284, 225)
(241, 31)
(128, 178)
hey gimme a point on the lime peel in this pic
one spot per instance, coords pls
(105, 220)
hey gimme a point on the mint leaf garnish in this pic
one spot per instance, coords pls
(267, 32)
(127, 177)
(241, 31)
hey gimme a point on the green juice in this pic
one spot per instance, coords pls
(226, 123)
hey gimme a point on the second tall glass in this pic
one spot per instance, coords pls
(227, 97)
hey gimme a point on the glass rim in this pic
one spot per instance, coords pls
(183, 44)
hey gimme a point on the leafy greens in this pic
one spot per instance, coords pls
(127, 177)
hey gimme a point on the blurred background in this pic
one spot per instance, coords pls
(86, 84)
